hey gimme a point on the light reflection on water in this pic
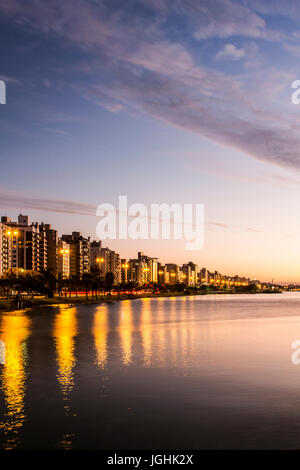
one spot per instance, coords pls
(14, 333)
(125, 331)
(64, 334)
(100, 332)
(195, 372)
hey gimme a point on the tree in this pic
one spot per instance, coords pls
(87, 282)
(74, 283)
(49, 282)
(109, 282)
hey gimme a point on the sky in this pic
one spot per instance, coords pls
(163, 101)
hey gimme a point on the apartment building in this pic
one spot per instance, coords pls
(63, 262)
(5, 248)
(190, 274)
(80, 254)
(48, 248)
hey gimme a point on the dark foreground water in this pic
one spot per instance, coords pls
(209, 372)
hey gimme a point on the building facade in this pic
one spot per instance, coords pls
(80, 254)
(63, 263)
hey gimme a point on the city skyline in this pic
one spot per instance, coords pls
(127, 247)
(27, 245)
(198, 110)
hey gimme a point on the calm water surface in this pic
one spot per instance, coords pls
(209, 372)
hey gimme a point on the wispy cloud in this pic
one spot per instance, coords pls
(14, 199)
(159, 76)
(55, 131)
(250, 229)
(218, 224)
(10, 80)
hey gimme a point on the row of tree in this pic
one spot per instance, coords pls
(16, 284)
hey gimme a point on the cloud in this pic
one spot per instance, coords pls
(225, 18)
(10, 80)
(15, 199)
(218, 224)
(134, 65)
(249, 229)
(230, 51)
(55, 131)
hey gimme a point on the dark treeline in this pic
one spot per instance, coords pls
(19, 285)
(30, 283)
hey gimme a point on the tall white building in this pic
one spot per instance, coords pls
(5, 249)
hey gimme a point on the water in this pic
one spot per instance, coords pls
(208, 372)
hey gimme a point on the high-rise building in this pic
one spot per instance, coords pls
(190, 274)
(63, 263)
(104, 261)
(124, 271)
(96, 247)
(134, 271)
(49, 239)
(138, 271)
(33, 245)
(149, 268)
(26, 245)
(143, 270)
(80, 254)
(5, 248)
(162, 274)
(115, 266)
(203, 276)
(173, 271)
(110, 263)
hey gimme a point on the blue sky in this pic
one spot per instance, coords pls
(165, 101)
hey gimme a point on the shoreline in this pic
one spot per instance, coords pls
(9, 305)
